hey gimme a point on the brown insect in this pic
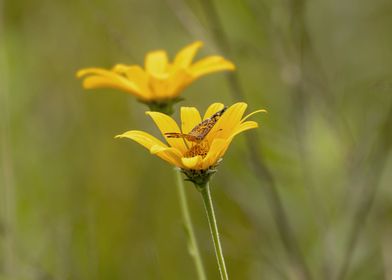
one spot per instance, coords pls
(200, 131)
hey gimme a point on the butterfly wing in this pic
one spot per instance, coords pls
(200, 131)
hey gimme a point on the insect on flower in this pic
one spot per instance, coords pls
(214, 139)
(200, 131)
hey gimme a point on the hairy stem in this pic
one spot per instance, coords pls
(206, 194)
(261, 169)
(193, 247)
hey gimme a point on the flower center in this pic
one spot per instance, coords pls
(199, 149)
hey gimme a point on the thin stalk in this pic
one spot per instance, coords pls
(193, 247)
(261, 169)
(206, 194)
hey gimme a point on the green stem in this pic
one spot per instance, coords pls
(206, 194)
(193, 247)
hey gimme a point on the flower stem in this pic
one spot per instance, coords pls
(206, 194)
(193, 247)
(266, 177)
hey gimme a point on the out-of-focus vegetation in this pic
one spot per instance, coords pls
(77, 204)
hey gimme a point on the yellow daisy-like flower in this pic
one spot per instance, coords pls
(160, 80)
(195, 157)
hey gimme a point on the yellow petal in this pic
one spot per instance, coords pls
(223, 151)
(159, 87)
(190, 117)
(102, 78)
(167, 124)
(159, 148)
(82, 72)
(212, 109)
(244, 126)
(138, 76)
(143, 138)
(209, 65)
(95, 82)
(120, 68)
(215, 152)
(177, 82)
(184, 57)
(133, 72)
(255, 112)
(156, 62)
(228, 122)
(99, 72)
(171, 155)
(192, 163)
(169, 86)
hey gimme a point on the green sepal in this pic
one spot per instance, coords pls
(200, 177)
(163, 106)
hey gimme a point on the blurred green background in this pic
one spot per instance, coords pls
(77, 204)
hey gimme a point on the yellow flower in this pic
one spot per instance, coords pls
(195, 156)
(160, 80)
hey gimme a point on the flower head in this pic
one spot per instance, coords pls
(196, 156)
(160, 81)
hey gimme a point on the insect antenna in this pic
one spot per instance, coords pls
(178, 135)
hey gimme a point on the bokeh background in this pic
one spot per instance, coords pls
(77, 204)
